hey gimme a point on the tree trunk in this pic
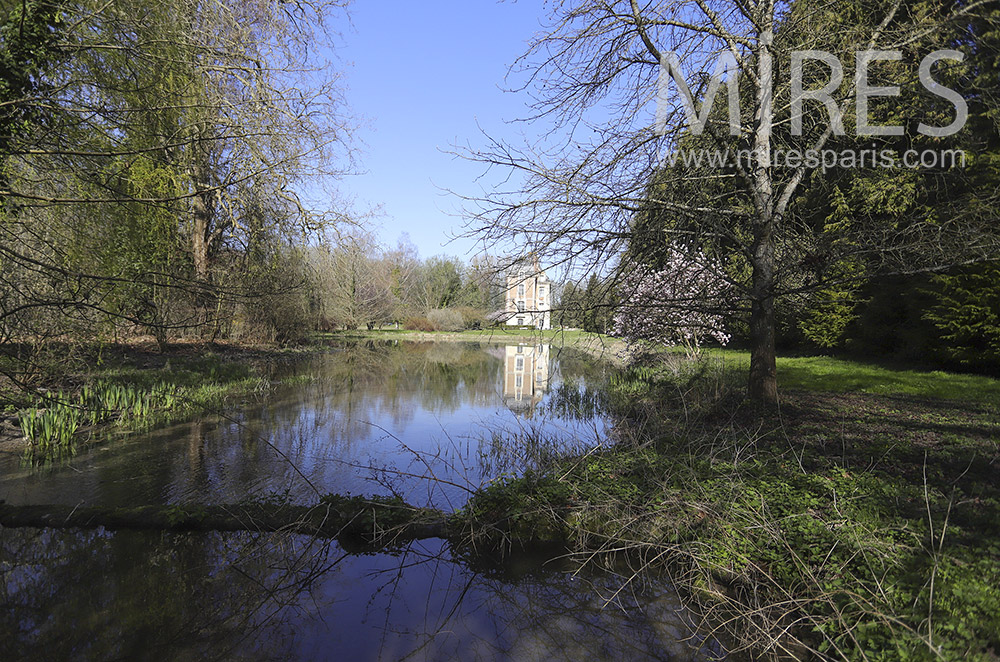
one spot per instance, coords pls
(202, 217)
(763, 386)
(201, 226)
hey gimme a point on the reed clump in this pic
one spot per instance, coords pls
(60, 420)
(61, 417)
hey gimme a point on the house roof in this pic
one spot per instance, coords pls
(528, 268)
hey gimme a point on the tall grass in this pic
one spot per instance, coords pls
(54, 426)
(58, 420)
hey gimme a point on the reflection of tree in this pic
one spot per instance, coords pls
(575, 364)
(364, 393)
(74, 594)
(576, 400)
(136, 595)
(410, 415)
(522, 611)
(531, 445)
(440, 376)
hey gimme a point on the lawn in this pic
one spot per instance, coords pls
(835, 375)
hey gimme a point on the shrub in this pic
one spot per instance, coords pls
(326, 324)
(472, 318)
(418, 324)
(446, 319)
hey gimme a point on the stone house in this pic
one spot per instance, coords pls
(529, 296)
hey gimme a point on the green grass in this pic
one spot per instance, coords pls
(839, 376)
(834, 375)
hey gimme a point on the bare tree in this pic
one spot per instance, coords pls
(356, 282)
(607, 175)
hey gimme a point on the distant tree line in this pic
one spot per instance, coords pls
(356, 283)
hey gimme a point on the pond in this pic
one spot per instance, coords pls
(427, 421)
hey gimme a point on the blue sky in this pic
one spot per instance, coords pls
(422, 74)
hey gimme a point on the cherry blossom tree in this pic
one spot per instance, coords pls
(683, 303)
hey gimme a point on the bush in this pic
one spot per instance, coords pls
(418, 324)
(472, 318)
(280, 315)
(446, 319)
(326, 324)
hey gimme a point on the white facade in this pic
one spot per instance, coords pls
(529, 297)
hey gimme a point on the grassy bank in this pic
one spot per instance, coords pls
(132, 387)
(861, 522)
(835, 375)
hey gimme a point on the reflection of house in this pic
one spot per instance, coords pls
(525, 375)
(529, 297)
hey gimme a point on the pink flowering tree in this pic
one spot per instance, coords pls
(683, 303)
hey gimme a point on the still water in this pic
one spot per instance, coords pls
(427, 421)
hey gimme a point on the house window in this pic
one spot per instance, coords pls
(520, 290)
(541, 290)
(520, 307)
(519, 363)
(520, 321)
(520, 349)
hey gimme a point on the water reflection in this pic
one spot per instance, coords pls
(525, 376)
(100, 595)
(427, 421)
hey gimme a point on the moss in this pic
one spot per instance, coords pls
(529, 511)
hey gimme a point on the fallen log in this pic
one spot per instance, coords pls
(361, 524)
(374, 521)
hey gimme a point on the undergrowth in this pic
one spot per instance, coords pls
(850, 529)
